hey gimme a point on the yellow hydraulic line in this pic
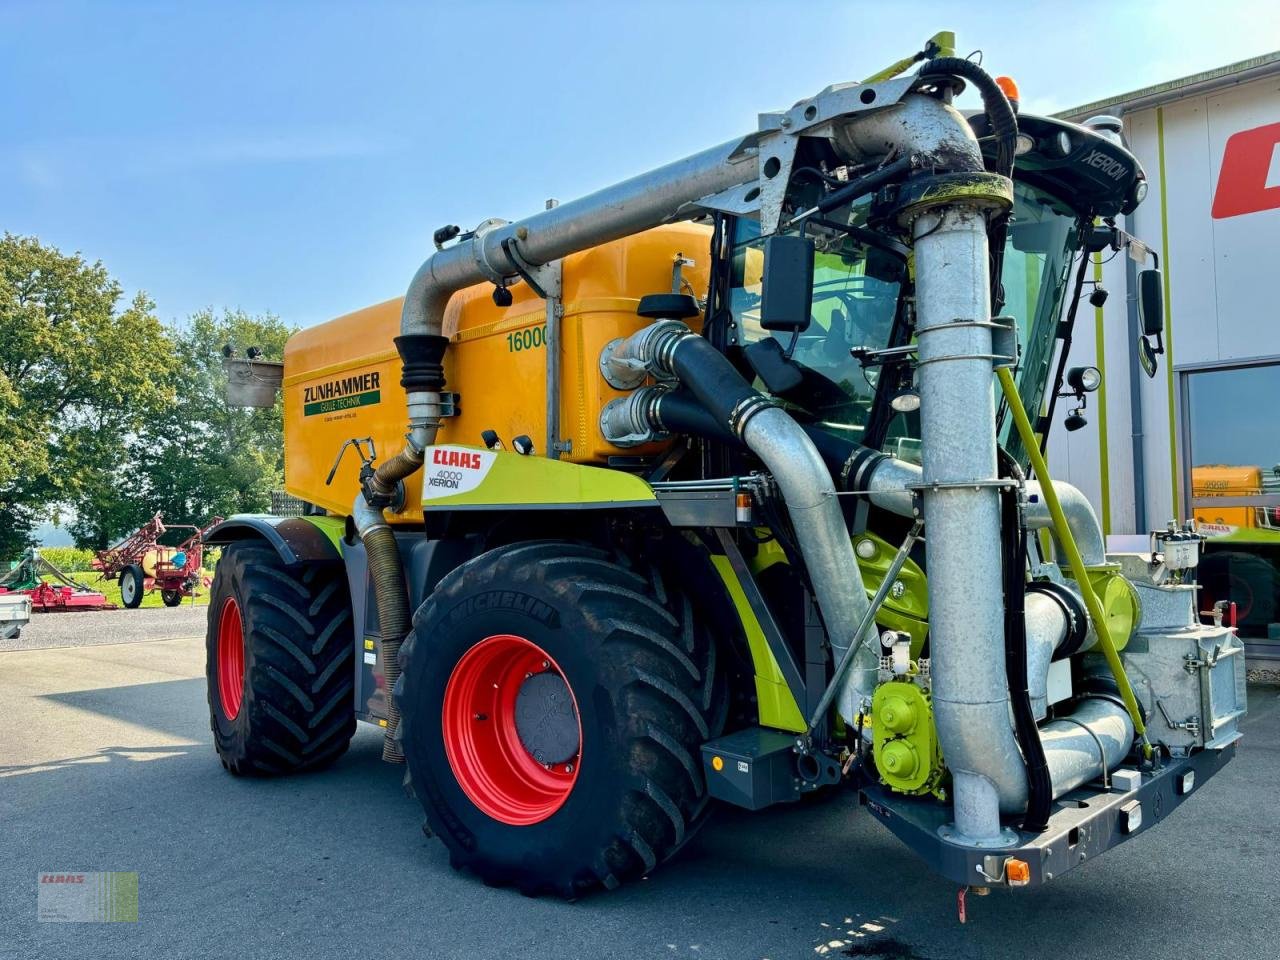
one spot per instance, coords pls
(942, 44)
(1074, 560)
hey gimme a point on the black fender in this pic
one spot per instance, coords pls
(295, 539)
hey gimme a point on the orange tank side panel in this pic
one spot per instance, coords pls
(342, 378)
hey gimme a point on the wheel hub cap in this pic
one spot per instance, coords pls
(545, 719)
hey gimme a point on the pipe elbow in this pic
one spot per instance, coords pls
(1082, 521)
(365, 516)
(918, 125)
(424, 301)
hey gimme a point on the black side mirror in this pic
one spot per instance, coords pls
(1147, 357)
(1151, 317)
(1151, 302)
(787, 301)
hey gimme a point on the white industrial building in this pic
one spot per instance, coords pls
(1202, 437)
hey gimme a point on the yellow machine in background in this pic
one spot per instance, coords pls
(1223, 480)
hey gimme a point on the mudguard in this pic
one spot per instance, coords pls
(295, 539)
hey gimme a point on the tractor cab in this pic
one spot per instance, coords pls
(848, 366)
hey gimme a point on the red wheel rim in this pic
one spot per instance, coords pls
(230, 658)
(484, 749)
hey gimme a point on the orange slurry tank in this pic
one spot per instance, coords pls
(342, 378)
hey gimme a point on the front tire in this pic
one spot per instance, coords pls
(279, 662)
(172, 598)
(553, 704)
(133, 584)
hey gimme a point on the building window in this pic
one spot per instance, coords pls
(1231, 471)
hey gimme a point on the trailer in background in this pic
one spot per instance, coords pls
(142, 563)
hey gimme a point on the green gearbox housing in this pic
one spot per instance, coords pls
(905, 741)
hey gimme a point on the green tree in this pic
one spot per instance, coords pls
(80, 374)
(197, 457)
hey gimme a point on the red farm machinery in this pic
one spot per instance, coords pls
(142, 563)
(45, 589)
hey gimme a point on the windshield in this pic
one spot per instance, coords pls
(856, 288)
(1043, 236)
(858, 280)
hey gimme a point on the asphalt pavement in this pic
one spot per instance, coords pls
(106, 764)
(89, 627)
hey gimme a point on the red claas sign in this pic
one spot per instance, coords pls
(1249, 180)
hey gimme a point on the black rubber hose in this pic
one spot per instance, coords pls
(716, 383)
(1000, 113)
(680, 412)
(851, 464)
(1014, 549)
(387, 573)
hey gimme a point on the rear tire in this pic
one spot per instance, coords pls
(1249, 580)
(279, 662)
(641, 671)
(133, 584)
(172, 598)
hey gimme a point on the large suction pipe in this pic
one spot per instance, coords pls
(1091, 742)
(962, 514)
(668, 348)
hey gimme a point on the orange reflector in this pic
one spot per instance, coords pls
(717, 764)
(1017, 872)
(1009, 86)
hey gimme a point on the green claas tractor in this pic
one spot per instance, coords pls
(726, 484)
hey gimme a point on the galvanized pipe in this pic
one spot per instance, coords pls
(1081, 519)
(625, 208)
(668, 348)
(958, 434)
(1047, 627)
(1091, 742)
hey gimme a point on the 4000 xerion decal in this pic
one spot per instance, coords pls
(361, 390)
(453, 470)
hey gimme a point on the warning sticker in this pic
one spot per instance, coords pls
(450, 471)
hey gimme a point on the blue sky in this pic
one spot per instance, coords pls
(295, 158)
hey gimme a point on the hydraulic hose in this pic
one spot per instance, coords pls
(872, 182)
(1003, 120)
(386, 571)
(1075, 561)
(1014, 537)
(1000, 114)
